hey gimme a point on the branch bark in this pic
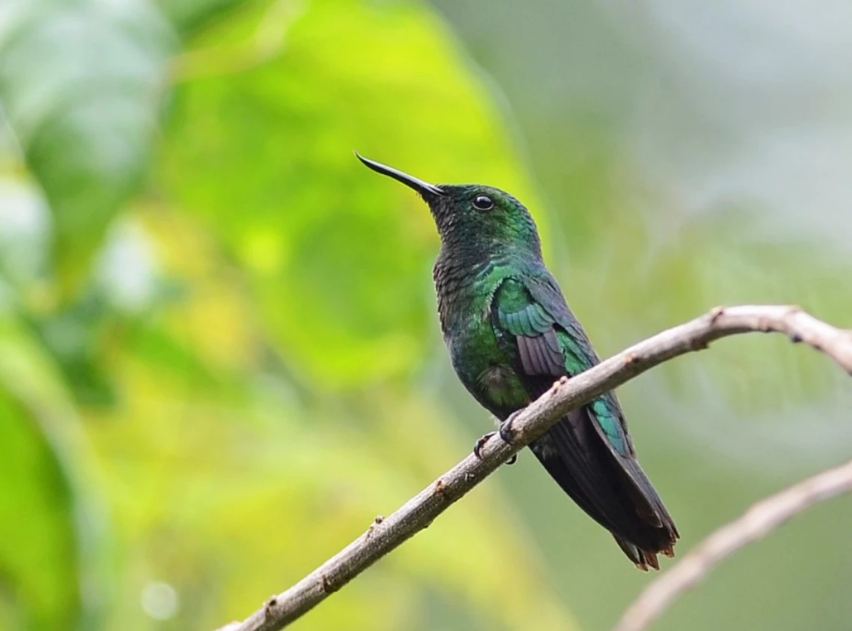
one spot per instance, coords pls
(761, 519)
(384, 535)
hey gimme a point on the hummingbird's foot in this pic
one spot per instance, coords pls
(477, 448)
(506, 431)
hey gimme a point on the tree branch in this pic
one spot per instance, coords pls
(387, 534)
(760, 520)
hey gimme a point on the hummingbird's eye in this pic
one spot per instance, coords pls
(483, 202)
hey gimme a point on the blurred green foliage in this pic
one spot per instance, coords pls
(218, 354)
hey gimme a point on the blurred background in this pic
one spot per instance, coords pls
(219, 354)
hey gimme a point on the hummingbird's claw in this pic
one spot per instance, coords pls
(506, 432)
(477, 448)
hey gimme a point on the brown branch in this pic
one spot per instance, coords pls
(760, 520)
(387, 534)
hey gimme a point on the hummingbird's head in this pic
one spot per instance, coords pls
(471, 216)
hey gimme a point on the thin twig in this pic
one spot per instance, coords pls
(387, 534)
(761, 519)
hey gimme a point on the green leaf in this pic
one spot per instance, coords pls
(80, 84)
(51, 536)
(191, 15)
(37, 539)
(338, 258)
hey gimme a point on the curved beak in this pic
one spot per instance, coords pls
(424, 188)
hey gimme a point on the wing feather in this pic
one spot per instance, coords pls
(589, 453)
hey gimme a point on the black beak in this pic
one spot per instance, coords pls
(424, 188)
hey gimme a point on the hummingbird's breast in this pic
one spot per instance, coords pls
(464, 292)
(465, 296)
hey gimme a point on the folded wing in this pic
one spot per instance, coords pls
(589, 452)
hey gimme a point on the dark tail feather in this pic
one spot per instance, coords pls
(640, 558)
(611, 488)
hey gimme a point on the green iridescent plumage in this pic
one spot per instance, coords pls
(511, 334)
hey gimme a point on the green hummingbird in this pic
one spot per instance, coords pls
(511, 334)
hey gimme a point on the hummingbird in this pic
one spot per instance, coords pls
(510, 334)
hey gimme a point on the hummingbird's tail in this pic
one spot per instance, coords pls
(643, 559)
(610, 487)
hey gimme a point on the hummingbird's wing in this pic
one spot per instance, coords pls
(551, 343)
(589, 453)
